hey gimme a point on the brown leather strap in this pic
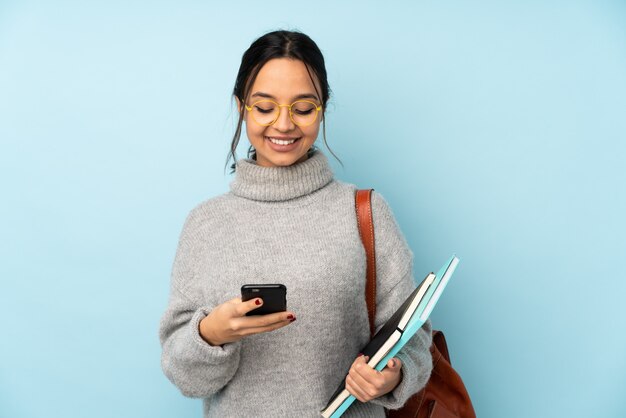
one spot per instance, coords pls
(366, 230)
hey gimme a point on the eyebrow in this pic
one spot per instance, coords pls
(299, 96)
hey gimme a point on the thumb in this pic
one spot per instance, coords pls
(250, 305)
(394, 363)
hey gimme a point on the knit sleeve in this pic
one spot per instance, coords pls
(197, 368)
(395, 282)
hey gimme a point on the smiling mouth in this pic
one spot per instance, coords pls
(282, 141)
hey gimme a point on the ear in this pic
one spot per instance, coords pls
(239, 105)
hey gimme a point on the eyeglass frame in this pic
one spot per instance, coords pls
(317, 111)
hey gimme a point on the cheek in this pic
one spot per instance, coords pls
(254, 131)
(311, 131)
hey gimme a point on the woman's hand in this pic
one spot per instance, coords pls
(228, 322)
(367, 383)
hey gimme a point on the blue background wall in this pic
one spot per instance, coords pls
(496, 130)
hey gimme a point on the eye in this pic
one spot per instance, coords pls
(303, 108)
(260, 109)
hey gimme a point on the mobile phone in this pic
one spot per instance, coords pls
(274, 297)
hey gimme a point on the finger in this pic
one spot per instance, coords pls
(394, 364)
(257, 330)
(393, 367)
(355, 390)
(357, 359)
(244, 307)
(269, 320)
(261, 322)
(362, 367)
(368, 379)
(361, 358)
(264, 320)
(275, 317)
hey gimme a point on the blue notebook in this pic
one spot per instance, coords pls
(428, 301)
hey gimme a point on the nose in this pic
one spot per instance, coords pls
(284, 122)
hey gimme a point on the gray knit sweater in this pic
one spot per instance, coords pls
(294, 225)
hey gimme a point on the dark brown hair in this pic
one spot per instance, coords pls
(278, 44)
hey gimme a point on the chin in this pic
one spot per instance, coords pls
(281, 161)
(286, 161)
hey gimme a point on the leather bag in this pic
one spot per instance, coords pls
(444, 395)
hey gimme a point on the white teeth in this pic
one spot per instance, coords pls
(281, 142)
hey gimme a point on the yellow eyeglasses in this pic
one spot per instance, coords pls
(301, 112)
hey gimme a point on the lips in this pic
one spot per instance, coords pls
(283, 138)
(283, 147)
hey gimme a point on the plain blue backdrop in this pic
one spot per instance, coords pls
(495, 130)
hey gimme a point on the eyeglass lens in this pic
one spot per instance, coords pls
(266, 112)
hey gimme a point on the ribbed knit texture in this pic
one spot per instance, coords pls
(256, 182)
(297, 226)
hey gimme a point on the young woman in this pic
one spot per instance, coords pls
(287, 220)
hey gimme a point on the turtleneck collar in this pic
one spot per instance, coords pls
(271, 184)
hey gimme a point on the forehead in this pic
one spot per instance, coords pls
(284, 78)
